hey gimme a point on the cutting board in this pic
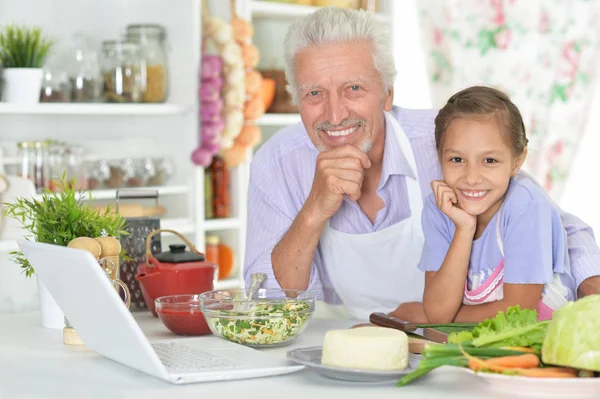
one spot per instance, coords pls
(416, 344)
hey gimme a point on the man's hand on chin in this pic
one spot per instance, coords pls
(590, 286)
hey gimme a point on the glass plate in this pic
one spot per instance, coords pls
(312, 357)
(518, 386)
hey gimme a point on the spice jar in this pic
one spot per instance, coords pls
(220, 179)
(85, 72)
(121, 70)
(56, 87)
(33, 159)
(212, 249)
(154, 60)
(73, 157)
(26, 160)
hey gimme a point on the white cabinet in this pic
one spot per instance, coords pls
(131, 130)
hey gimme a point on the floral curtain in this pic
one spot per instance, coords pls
(544, 53)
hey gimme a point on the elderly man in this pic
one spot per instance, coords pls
(335, 202)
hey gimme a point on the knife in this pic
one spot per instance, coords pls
(431, 334)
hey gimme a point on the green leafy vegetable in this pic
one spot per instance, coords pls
(572, 339)
(515, 327)
(460, 337)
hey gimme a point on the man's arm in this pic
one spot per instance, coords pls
(584, 254)
(281, 241)
(338, 173)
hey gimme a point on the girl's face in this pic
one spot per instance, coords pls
(478, 162)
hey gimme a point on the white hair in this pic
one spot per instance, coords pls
(337, 25)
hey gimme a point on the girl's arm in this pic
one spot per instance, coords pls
(444, 289)
(525, 295)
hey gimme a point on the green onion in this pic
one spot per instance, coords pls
(447, 350)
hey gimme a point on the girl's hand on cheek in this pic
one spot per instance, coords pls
(446, 200)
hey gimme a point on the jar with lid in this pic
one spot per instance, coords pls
(73, 160)
(33, 160)
(56, 87)
(84, 70)
(122, 71)
(56, 165)
(212, 249)
(220, 179)
(155, 79)
(26, 159)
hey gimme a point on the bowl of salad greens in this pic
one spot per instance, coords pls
(274, 317)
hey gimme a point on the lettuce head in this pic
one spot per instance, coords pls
(573, 336)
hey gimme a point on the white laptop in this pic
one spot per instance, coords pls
(88, 299)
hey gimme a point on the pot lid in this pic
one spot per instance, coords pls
(178, 254)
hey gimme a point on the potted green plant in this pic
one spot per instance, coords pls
(58, 218)
(23, 51)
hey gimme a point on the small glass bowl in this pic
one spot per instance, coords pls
(275, 317)
(181, 314)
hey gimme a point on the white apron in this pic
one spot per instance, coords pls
(376, 272)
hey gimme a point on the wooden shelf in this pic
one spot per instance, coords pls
(265, 9)
(278, 119)
(89, 109)
(222, 224)
(112, 194)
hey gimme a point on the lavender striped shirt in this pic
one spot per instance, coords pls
(281, 177)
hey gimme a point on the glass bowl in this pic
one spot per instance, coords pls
(181, 314)
(275, 317)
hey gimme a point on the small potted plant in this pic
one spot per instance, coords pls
(58, 218)
(23, 51)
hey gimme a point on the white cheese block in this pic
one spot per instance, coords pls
(367, 348)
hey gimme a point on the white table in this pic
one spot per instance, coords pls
(34, 363)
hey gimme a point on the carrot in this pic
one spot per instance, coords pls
(526, 361)
(477, 364)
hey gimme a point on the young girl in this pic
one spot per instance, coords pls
(492, 239)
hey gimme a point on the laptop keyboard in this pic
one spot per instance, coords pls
(181, 358)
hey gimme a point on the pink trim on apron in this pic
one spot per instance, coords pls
(497, 278)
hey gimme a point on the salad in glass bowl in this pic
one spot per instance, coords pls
(274, 317)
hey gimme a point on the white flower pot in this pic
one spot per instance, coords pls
(22, 85)
(52, 315)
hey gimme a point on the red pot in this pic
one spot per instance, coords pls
(174, 272)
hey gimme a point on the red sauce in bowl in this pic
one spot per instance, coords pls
(184, 322)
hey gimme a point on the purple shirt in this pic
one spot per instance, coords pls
(281, 176)
(534, 240)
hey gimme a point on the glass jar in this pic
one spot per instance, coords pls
(56, 164)
(155, 79)
(74, 167)
(212, 249)
(36, 159)
(122, 71)
(85, 73)
(26, 160)
(56, 87)
(220, 179)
